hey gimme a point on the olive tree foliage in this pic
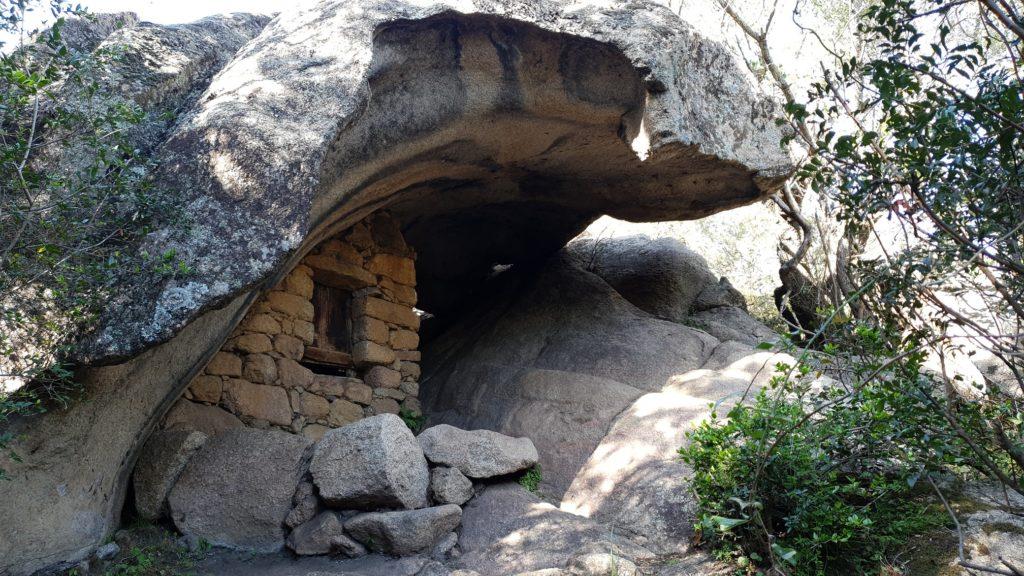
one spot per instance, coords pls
(73, 198)
(927, 133)
(911, 139)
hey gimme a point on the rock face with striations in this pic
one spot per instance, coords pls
(372, 463)
(277, 142)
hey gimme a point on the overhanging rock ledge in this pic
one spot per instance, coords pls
(348, 106)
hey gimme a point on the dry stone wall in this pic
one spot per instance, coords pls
(336, 341)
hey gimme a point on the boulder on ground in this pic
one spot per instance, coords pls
(324, 534)
(163, 458)
(405, 532)
(554, 354)
(449, 486)
(477, 453)
(237, 490)
(373, 463)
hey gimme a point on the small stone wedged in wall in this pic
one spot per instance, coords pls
(343, 412)
(209, 420)
(306, 504)
(385, 406)
(207, 389)
(258, 401)
(381, 377)
(390, 312)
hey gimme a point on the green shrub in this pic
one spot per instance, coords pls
(813, 480)
(413, 420)
(531, 479)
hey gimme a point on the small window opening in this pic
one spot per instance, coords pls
(332, 324)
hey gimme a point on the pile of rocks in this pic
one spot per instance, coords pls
(370, 486)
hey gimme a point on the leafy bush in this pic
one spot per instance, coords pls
(915, 143)
(918, 144)
(815, 478)
(531, 478)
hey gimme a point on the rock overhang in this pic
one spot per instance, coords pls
(521, 116)
(266, 163)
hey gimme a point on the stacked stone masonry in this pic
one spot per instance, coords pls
(277, 369)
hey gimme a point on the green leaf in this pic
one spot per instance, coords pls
(724, 524)
(787, 555)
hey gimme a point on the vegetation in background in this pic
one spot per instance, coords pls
(413, 420)
(816, 476)
(915, 143)
(73, 198)
(945, 164)
(531, 479)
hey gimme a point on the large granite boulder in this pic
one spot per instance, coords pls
(237, 490)
(660, 276)
(373, 463)
(477, 453)
(554, 355)
(285, 145)
(288, 160)
(606, 391)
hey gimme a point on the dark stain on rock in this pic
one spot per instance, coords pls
(510, 95)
